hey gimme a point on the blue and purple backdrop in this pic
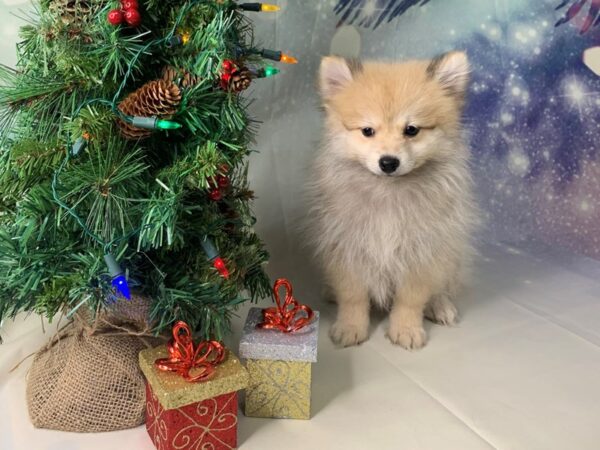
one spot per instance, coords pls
(532, 115)
(533, 110)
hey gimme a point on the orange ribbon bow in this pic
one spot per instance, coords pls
(284, 317)
(185, 356)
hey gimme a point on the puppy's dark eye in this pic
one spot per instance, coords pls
(411, 130)
(368, 132)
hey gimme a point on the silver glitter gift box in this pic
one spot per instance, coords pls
(271, 344)
(279, 365)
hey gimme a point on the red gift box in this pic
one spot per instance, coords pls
(200, 415)
(211, 423)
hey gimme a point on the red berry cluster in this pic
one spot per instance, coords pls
(230, 69)
(218, 185)
(129, 13)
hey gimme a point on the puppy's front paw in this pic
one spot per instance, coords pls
(441, 310)
(348, 334)
(410, 338)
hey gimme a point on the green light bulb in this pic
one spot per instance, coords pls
(79, 145)
(269, 71)
(162, 124)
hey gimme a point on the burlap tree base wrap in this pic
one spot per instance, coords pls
(87, 379)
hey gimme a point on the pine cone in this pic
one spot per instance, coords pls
(158, 98)
(240, 80)
(71, 12)
(180, 77)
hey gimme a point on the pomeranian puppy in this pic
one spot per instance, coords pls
(392, 203)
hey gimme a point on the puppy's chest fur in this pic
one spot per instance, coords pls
(382, 228)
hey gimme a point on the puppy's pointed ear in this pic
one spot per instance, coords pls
(451, 70)
(334, 74)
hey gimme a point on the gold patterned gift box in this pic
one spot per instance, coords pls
(279, 366)
(192, 415)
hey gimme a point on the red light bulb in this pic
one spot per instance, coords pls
(219, 264)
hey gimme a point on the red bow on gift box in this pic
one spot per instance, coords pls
(185, 356)
(285, 317)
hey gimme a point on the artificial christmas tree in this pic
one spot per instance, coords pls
(109, 162)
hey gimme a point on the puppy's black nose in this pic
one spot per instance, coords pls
(389, 164)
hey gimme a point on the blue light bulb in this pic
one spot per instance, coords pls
(120, 284)
(119, 281)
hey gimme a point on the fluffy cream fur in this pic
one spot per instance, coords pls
(401, 239)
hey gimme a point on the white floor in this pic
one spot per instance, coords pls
(521, 371)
